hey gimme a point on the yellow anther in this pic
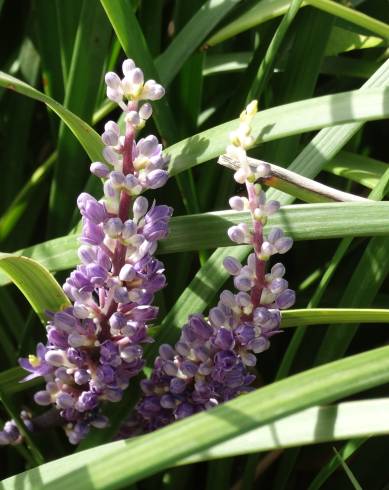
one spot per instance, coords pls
(34, 360)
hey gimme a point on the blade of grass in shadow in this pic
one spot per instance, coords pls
(268, 9)
(297, 81)
(11, 217)
(266, 67)
(47, 33)
(67, 17)
(349, 473)
(346, 452)
(70, 173)
(89, 139)
(191, 36)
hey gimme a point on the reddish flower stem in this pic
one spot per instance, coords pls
(119, 255)
(257, 241)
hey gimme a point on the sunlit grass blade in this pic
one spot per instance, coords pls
(321, 316)
(365, 170)
(36, 283)
(326, 144)
(107, 466)
(208, 230)
(282, 121)
(312, 426)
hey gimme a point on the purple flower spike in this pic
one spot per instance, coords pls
(211, 361)
(94, 347)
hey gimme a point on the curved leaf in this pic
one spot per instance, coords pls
(118, 464)
(282, 121)
(36, 283)
(209, 230)
(87, 136)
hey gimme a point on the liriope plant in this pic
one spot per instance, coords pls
(200, 378)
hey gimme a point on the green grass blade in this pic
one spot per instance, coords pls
(208, 230)
(108, 466)
(132, 40)
(47, 34)
(346, 451)
(312, 426)
(36, 283)
(268, 9)
(89, 139)
(257, 14)
(71, 170)
(342, 40)
(191, 36)
(348, 472)
(326, 144)
(68, 14)
(280, 122)
(17, 208)
(321, 316)
(358, 168)
(267, 64)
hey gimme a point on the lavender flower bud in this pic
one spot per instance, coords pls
(157, 178)
(113, 227)
(166, 352)
(113, 127)
(127, 273)
(286, 299)
(278, 270)
(232, 265)
(271, 207)
(274, 235)
(140, 207)
(99, 169)
(145, 111)
(116, 179)
(133, 118)
(110, 155)
(110, 138)
(283, 244)
(237, 203)
(152, 90)
(42, 398)
(112, 80)
(217, 317)
(238, 234)
(127, 66)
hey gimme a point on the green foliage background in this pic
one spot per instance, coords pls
(320, 71)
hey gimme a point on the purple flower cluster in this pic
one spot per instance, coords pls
(211, 361)
(10, 433)
(94, 346)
